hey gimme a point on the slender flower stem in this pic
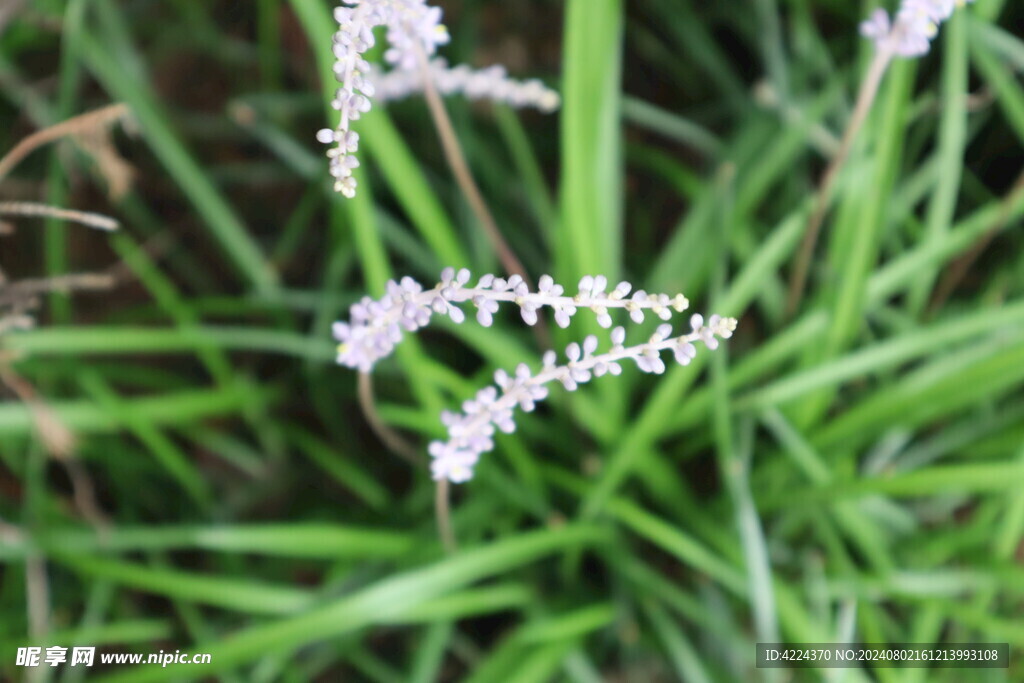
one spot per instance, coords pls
(865, 98)
(907, 34)
(463, 176)
(388, 436)
(442, 509)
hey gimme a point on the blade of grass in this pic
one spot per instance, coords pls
(298, 540)
(234, 593)
(664, 402)
(57, 193)
(341, 468)
(929, 481)
(890, 353)
(946, 387)
(164, 450)
(142, 340)
(646, 115)
(694, 39)
(590, 231)
(388, 598)
(116, 632)
(86, 417)
(429, 657)
(684, 656)
(473, 602)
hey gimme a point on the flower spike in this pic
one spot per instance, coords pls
(471, 432)
(375, 327)
(491, 84)
(413, 27)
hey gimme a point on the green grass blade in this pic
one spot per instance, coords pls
(388, 598)
(226, 592)
(591, 230)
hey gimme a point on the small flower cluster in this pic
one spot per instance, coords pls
(413, 28)
(491, 84)
(916, 24)
(375, 327)
(471, 432)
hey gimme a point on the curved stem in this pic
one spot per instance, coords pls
(73, 126)
(463, 176)
(388, 436)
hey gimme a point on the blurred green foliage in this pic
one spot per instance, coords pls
(853, 473)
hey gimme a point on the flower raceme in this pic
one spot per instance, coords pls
(915, 25)
(412, 25)
(375, 327)
(471, 432)
(491, 84)
(413, 28)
